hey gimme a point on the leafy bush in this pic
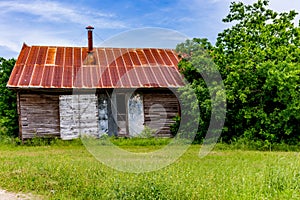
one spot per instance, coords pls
(8, 101)
(147, 132)
(258, 59)
(175, 126)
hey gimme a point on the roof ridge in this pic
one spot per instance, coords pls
(99, 47)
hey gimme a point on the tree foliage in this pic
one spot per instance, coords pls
(8, 101)
(259, 60)
(205, 83)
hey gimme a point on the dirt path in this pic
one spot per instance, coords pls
(4, 195)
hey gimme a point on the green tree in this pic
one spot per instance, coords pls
(258, 58)
(8, 101)
(205, 83)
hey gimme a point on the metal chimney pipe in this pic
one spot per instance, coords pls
(90, 38)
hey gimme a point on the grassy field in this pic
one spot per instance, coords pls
(70, 172)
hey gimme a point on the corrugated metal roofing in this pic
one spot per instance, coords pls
(73, 67)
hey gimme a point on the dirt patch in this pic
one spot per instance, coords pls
(4, 195)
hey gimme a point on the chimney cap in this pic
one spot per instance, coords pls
(89, 27)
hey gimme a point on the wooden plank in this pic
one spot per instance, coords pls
(160, 107)
(39, 115)
(19, 115)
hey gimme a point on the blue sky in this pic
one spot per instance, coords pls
(117, 22)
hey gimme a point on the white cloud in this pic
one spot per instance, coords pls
(277, 5)
(208, 14)
(49, 23)
(58, 12)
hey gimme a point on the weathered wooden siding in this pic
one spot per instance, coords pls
(160, 107)
(39, 115)
(69, 116)
(78, 115)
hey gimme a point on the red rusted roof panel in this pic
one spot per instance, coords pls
(126, 80)
(66, 67)
(87, 77)
(143, 79)
(174, 58)
(159, 76)
(37, 75)
(122, 73)
(60, 56)
(132, 76)
(26, 75)
(102, 57)
(142, 57)
(150, 57)
(34, 52)
(165, 57)
(67, 77)
(77, 77)
(94, 77)
(133, 56)
(77, 57)
(114, 77)
(98, 80)
(23, 55)
(119, 58)
(69, 57)
(150, 77)
(157, 57)
(105, 77)
(126, 58)
(57, 77)
(51, 54)
(110, 58)
(47, 76)
(41, 58)
(168, 76)
(176, 76)
(15, 75)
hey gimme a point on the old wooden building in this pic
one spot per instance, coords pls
(69, 91)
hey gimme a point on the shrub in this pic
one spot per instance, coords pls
(258, 59)
(8, 101)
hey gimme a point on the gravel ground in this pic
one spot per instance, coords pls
(4, 195)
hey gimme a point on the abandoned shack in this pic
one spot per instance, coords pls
(69, 91)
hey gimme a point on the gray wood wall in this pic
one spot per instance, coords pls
(159, 110)
(39, 115)
(68, 116)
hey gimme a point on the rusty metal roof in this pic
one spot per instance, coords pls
(74, 67)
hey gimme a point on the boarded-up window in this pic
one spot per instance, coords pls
(78, 115)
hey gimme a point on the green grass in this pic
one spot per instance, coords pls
(68, 171)
(125, 142)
